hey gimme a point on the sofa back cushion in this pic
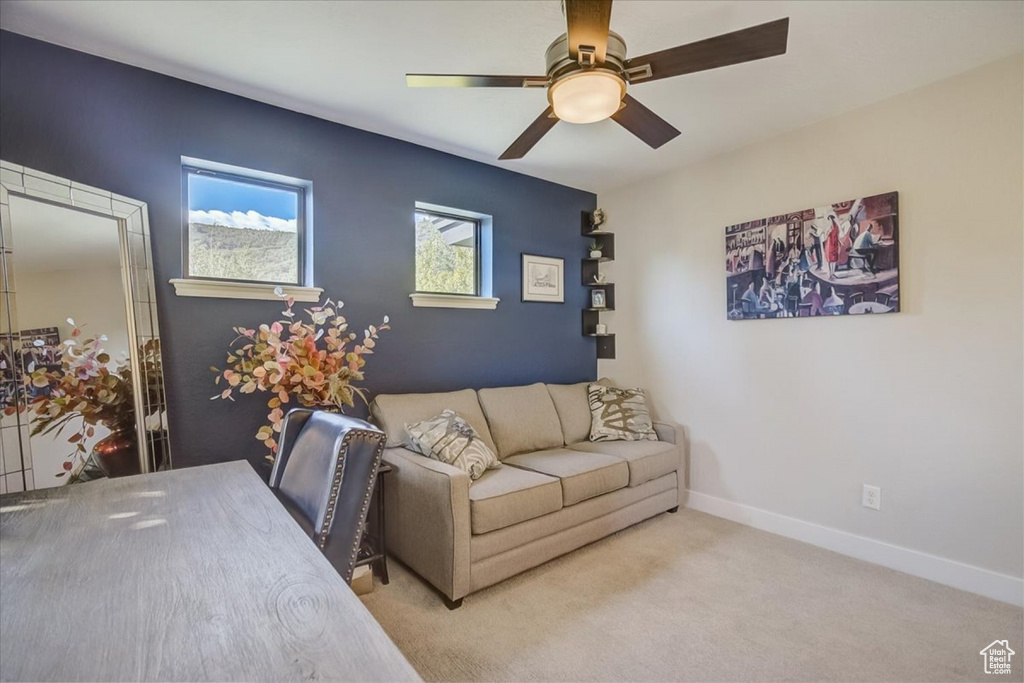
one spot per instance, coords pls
(392, 412)
(521, 419)
(573, 408)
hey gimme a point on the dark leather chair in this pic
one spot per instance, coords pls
(324, 474)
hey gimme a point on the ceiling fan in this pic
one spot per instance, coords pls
(587, 73)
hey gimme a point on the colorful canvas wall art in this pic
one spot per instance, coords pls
(837, 259)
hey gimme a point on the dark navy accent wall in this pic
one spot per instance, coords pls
(125, 129)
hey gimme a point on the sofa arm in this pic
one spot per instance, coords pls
(665, 432)
(427, 519)
(669, 433)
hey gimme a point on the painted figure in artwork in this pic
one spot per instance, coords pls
(812, 297)
(816, 248)
(832, 246)
(865, 245)
(752, 302)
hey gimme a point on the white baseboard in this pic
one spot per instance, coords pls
(1002, 587)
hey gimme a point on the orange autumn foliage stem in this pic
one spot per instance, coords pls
(315, 364)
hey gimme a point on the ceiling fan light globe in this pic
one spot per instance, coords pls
(587, 97)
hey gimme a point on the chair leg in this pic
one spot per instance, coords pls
(452, 604)
(673, 510)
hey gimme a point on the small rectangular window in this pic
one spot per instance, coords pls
(447, 254)
(243, 229)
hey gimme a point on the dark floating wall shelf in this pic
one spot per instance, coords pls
(590, 268)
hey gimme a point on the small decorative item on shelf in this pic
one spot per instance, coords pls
(87, 385)
(601, 292)
(308, 362)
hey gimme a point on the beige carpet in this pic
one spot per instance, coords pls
(693, 597)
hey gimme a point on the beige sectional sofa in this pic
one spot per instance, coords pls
(555, 491)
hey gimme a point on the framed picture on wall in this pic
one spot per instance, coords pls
(841, 258)
(543, 279)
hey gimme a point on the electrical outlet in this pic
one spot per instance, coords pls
(872, 497)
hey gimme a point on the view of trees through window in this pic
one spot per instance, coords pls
(446, 254)
(242, 231)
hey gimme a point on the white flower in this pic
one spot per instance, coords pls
(279, 291)
(71, 322)
(386, 320)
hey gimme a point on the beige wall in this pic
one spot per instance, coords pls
(793, 416)
(92, 297)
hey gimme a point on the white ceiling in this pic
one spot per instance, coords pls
(48, 237)
(346, 61)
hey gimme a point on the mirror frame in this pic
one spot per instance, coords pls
(132, 217)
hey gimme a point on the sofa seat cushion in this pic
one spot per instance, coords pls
(508, 495)
(521, 419)
(647, 460)
(583, 475)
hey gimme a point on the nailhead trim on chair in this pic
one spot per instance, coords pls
(336, 486)
(367, 495)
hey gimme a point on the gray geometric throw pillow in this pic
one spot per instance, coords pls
(452, 440)
(619, 414)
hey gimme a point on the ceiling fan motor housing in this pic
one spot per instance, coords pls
(560, 64)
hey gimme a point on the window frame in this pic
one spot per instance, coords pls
(300, 223)
(477, 251)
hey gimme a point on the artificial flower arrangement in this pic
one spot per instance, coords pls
(88, 385)
(311, 363)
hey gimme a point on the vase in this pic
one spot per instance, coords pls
(595, 254)
(118, 453)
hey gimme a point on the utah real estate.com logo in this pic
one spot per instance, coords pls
(997, 657)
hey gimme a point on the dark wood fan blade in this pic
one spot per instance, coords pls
(587, 24)
(756, 42)
(644, 123)
(460, 81)
(531, 136)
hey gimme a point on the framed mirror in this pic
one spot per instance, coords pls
(81, 371)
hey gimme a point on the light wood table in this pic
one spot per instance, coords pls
(190, 575)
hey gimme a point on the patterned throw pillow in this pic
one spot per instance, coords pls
(619, 415)
(451, 439)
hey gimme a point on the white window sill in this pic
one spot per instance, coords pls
(220, 289)
(419, 300)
